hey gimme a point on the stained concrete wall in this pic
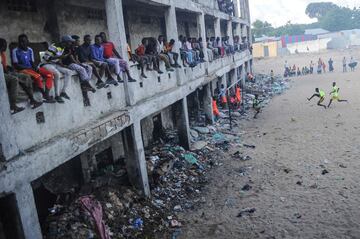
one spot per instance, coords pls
(80, 23)
(139, 28)
(187, 24)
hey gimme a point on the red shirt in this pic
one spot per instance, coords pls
(140, 51)
(3, 60)
(108, 49)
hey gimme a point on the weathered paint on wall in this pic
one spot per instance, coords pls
(259, 49)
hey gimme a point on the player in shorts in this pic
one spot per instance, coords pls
(321, 95)
(335, 94)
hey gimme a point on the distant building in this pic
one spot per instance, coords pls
(315, 31)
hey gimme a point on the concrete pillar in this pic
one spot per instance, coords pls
(135, 158)
(117, 147)
(85, 167)
(229, 32)
(8, 144)
(171, 25)
(183, 127)
(28, 213)
(116, 27)
(236, 5)
(238, 30)
(208, 109)
(217, 28)
(202, 32)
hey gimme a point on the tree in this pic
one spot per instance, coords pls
(319, 9)
(261, 28)
(340, 19)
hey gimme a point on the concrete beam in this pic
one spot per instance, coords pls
(202, 33)
(217, 28)
(135, 161)
(171, 25)
(183, 123)
(85, 167)
(7, 136)
(116, 27)
(28, 213)
(207, 100)
(229, 32)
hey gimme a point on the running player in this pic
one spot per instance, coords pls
(335, 94)
(321, 95)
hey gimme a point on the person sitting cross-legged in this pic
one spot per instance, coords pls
(51, 61)
(84, 70)
(13, 80)
(173, 56)
(113, 57)
(83, 55)
(24, 62)
(97, 56)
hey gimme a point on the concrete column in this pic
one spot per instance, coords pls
(208, 109)
(238, 30)
(183, 123)
(28, 213)
(229, 32)
(236, 5)
(8, 144)
(117, 147)
(202, 32)
(171, 25)
(135, 158)
(116, 27)
(85, 167)
(217, 28)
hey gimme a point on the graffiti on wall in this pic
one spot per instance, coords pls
(92, 135)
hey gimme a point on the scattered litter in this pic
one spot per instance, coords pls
(246, 211)
(286, 170)
(246, 187)
(299, 183)
(324, 172)
(138, 223)
(249, 146)
(342, 166)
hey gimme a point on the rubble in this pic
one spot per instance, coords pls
(176, 176)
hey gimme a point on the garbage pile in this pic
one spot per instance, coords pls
(266, 87)
(114, 210)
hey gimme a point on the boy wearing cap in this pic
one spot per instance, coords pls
(52, 62)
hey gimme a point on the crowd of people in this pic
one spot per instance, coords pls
(322, 67)
(59, 62)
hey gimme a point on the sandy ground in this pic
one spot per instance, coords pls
(295, 141)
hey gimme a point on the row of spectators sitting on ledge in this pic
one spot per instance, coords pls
(60, 59)
(99, 59)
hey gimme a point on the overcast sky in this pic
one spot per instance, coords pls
(278, 12)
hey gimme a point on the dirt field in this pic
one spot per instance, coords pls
(296, 141)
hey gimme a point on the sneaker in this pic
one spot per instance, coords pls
(64, 95)
(119, 79)
(17, 109)
(59, 100)
(143, 76)
(100, 85)
(35, 104)
(169, 69)
(49, 100)
(160, 72)
(131, 80)
(111, 82)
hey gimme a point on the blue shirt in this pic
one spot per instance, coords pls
(23, 58)
(97, 53)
